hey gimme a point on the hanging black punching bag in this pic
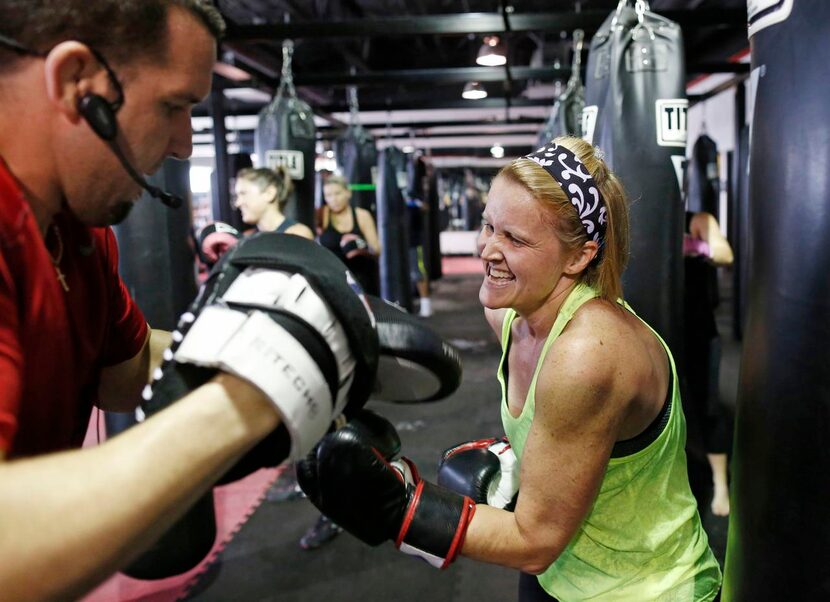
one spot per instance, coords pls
(703, 178)
(285, 135)
(156, 261)
(433, 227)
(392, 230)
(779, 530)
(156, 257)
(739, 230)
(566, 116)
(635, 112)
(357, 158)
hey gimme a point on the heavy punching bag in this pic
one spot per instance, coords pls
(285, 135)
(157, 263)
(635, 112)
(739, 232)
(703, 178)
(357, 157)
(779, 530)
(156, 260)
(392, 228)
(432, 233)
(156, 257)
(566, 116)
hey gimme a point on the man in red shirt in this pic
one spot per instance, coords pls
(70, 335)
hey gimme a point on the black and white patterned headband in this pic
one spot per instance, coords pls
(579, 186)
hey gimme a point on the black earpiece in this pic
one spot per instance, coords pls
(98, 113)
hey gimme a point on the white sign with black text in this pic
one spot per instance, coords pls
(671, 116)
(290, 159)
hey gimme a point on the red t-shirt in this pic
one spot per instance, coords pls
(54, 342)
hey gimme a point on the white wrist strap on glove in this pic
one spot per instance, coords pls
(501, 491)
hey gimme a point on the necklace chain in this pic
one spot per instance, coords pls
(56, 260)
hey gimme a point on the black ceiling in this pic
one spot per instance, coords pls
(405, 55)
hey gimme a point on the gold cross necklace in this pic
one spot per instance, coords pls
(56, 260)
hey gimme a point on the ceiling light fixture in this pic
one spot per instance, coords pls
(497, 150)
(228, 69)
(492, 53)
(474, 91)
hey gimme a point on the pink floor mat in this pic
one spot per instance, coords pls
(235, 503)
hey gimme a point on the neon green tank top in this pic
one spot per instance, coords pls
(643, 539)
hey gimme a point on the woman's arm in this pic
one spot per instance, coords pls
(579, 407)
(370, 232)
(705, 227)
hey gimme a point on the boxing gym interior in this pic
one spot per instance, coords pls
(698, 105)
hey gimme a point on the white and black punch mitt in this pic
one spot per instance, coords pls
(284, 313)
(416, 364)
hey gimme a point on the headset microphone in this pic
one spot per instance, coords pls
(99, 115)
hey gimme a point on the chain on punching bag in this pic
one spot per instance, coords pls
(357, 158)
(285, 135)
(778, 546)
(566, 116)
(635, 112)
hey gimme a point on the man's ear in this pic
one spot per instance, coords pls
(71, 72)
(581, 258)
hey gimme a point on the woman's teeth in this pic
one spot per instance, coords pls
(499, 274)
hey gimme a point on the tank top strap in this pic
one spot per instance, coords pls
(355, 227)
(285, 225)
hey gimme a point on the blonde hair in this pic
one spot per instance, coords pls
(263, 177)
(604, 273)
(337, 181)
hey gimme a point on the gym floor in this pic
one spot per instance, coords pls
(264, 561)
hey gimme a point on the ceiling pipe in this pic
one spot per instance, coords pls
(463, 24)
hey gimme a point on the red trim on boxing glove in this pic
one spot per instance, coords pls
(423, 530)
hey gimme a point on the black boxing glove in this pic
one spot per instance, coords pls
(353, 246)
(353, 482)
(376, 431)
(485, 470)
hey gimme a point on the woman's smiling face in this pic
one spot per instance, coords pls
(523, 257)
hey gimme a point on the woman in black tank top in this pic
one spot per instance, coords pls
(710, 425)
(350, 233)
(261, 195)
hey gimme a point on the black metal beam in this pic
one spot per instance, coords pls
(492, 102)
(457, 75)
(464, 24)
(421, 128)
(460, 75)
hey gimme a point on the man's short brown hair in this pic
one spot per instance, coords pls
(123, 31)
